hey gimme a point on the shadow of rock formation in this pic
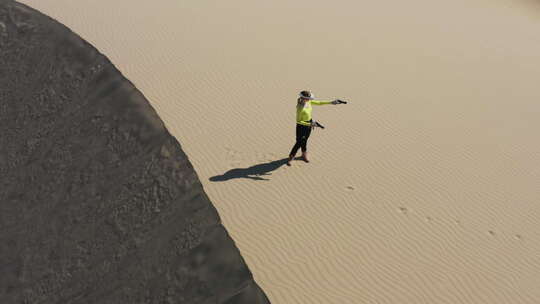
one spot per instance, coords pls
(98, 202)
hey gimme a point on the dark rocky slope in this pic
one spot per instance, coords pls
(98, 202)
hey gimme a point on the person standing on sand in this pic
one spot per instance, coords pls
(304, 122)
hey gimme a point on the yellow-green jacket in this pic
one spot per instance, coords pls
(303, 113)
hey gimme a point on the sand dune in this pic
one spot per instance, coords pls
(424, 189)
(98, 202)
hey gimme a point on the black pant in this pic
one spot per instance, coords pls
(302, 135)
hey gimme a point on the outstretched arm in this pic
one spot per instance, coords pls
(321, 102)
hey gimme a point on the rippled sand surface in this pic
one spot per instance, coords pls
(423, 189)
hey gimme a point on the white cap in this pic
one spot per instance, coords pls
(311, 96)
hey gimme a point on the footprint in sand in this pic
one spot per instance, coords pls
(403, 210)
(234, 157)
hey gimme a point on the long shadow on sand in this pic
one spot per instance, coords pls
(254, 172)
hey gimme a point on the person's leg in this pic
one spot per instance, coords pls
(305, 135)
(297, 144)
(304, 144)
(294, 149)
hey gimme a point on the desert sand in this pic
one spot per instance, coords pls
(423, 189)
